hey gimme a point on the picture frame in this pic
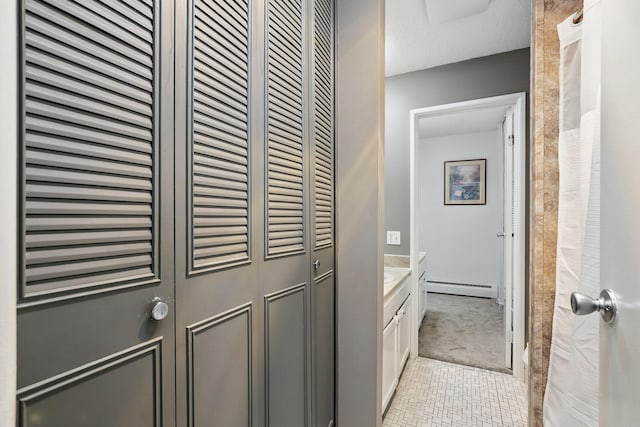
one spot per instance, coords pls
(465, 182)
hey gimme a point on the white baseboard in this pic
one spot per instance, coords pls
(488, 291)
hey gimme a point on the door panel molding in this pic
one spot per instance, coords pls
(195, 333)
(318, 279)
(37, 393)
(288, 325)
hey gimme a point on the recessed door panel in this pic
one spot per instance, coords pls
(121, 390)
(323, 295)
(220, 370)
(286, 357)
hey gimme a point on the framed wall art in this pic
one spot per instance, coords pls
(465, 182)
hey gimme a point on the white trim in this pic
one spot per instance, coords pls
(520, 166)
(8, 210)
(517, 101)
(508, 240)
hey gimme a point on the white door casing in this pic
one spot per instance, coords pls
(518, 103)
(508, 231)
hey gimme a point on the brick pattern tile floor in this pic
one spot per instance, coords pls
(436, 394)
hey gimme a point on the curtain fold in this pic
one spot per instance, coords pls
(571, 397)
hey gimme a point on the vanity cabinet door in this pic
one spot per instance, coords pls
(404, 334)
(422, 301)
(389, 356)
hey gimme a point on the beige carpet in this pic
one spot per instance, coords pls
(463, 330)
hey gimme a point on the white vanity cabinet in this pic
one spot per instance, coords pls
(396, 337)
(395, 350)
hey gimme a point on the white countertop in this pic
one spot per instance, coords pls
(398, 275)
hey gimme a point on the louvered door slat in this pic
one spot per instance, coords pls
(126, 104)
(94, 14)
(89, 174)
(323, 120)
(76, 71)
(69, 271)
(285, 229)
(86, 238)
(53, 16)
(219, 135)
(234, 13)
(226, 85)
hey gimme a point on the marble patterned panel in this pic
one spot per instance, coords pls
(544, 195)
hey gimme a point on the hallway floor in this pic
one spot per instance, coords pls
(437, 394)
(464, 330)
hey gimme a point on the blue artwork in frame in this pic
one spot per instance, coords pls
(465, 182)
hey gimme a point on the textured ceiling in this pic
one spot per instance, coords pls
(411, 43)
(469, 121)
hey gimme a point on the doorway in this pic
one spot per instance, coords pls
(509, 285)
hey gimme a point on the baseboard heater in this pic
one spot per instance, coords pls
(467, 289)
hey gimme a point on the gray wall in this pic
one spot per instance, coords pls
(359, 210)
(460, 241)
(477, 78)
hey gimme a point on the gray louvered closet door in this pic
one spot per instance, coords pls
(216, 219)
(321, 221)
(96, 214)
(284, 274)
(167, 245)
(253, 145)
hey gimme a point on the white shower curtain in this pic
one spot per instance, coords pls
(571, 397)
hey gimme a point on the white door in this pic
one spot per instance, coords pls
(620, 210)
(508, 221)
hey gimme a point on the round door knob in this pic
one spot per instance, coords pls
(160, 310)
(606, 305)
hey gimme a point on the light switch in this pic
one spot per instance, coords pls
(393, 238)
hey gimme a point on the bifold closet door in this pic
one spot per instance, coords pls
(285, 272)
(218, 222)
(96, 240)
(254, 204)
(322, 213)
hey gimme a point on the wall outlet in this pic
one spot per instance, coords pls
(393, 238)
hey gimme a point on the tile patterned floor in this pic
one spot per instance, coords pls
(436, 394)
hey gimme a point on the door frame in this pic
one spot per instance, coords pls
(518, 102)
(9, 208)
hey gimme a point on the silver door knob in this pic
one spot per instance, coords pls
(159, 310)
(500, 234)
(316, 264)
(606, 305)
